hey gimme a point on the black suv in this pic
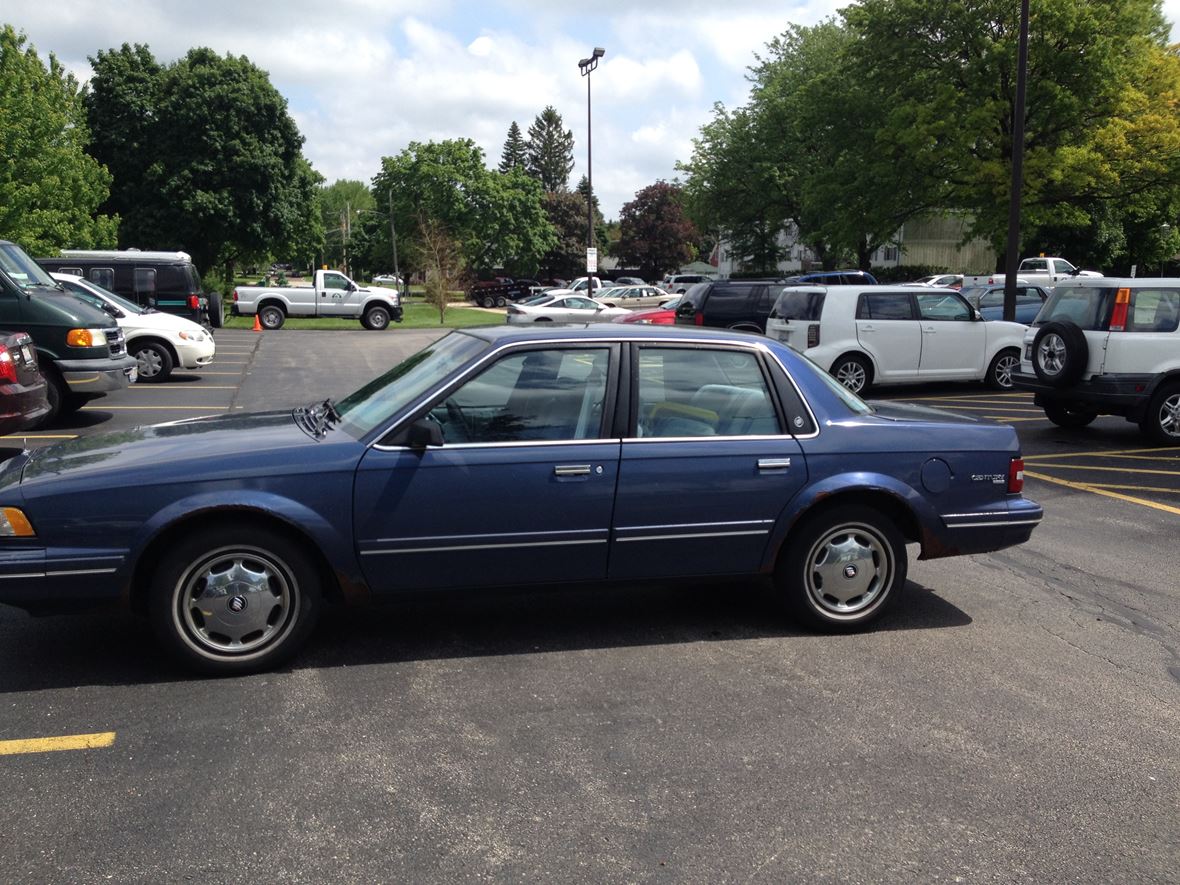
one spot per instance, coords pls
(743, 305)
(166, 281)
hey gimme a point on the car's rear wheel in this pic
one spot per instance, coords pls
(1004, 364)
(1060, 353)
(488, 301)
(155, 361)
(234, 599)
(501, 301)
(853, 372)
(271, 317)
(1067, 416)
(842, 568)
(1162, 420)
(376, 318)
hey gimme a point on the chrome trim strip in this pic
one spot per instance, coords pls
(693, 525)
(479, 547)
(26, 575)
(680, 439)
(490, 535)
(692, 535)
(450, 447)
(87, 571)
(976, 513)
(977, 525)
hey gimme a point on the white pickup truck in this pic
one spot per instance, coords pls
(1047, 271)
(334, 295)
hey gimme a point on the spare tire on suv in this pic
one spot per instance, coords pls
(1060, 353)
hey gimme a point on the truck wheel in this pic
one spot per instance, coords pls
(216, 311)
(155, 361)
(488, 301)
(271, 317)
(1060, 353)
(501, 301)
(1162, 420)
(376, 318)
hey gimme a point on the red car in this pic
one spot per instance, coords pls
(664, 315)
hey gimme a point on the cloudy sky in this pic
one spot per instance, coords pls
(363, 78)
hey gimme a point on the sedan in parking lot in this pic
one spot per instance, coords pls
(989, 301)
(504, 456)
(160, 342)
(664, 315)
(563, 309)
(23, 393)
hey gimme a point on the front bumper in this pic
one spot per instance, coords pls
(1121, 394)
(195, 354)
(97, 376)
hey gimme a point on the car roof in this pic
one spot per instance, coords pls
(1118, 282)
(611, 332)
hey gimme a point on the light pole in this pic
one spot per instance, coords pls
(587, 65)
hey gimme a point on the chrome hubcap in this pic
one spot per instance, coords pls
(848, 571)
(149, 363)
(235, 601)
(1051, 354)
(1169, 416)
(1005, 366)
(852, 376)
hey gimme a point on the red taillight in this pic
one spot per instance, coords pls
(7, 366)
(1016, 476)
(1118, 319)
(194, 301)
(813, 335)
(235, 294)
(698, 318)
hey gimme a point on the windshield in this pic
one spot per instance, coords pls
(1088, 306)
(92, 292)
(401, 386)
(22, 269)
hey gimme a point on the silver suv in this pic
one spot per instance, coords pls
(1107, 346)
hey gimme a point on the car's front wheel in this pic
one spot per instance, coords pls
(842, 568)
(155, 361)
(234, 599)
(1005, 363)
(1162, 420)
(376, 318)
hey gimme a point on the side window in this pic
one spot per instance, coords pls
(335, 281)
(102, 276)
(885, 306)
(145, 281)
(992, 299)
(539, 395)
(75, 271)
(702, 392)
(943, 307)
(1035, 264)
(1154, 310)
(762, 300)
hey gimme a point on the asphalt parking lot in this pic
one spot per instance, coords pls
(1015, 719)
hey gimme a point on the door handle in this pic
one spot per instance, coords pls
(571, 470)
(774, 463)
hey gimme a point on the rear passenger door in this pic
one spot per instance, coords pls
(706, 467)
(887, 328)
(953, 342)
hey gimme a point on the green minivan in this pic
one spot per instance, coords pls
(80, 349)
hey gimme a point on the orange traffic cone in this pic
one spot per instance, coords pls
(257, 325)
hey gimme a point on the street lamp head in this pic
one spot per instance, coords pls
(599, 52)
(586, 65)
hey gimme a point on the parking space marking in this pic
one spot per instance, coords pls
(1101, 454)
(152, 387)
(1107, 485)
(235, 374)
(40, 436)
(1106, 493)
(976, 397)
(990, 408)
(94, 741)
(1134, 470)
(150, 408)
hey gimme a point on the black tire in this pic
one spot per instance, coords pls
(501, 301)
(854, 372)
(1161, 422)
(376, 318)
(56, 392)
(155, 361)
(216, 311)
(1065, 416)
(488, 301)
(999, 373)
(263, 599)
(1060, 353)
(842, 568)
(271, 317)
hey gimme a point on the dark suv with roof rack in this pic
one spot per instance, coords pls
(743, 305)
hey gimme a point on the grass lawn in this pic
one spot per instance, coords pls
(417, 316)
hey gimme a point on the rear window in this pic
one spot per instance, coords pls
(1088, 306)
(798, 304)
(1154, 310)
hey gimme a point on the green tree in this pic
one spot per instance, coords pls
(601, 239)
(340, 219)
(496, 219)
(550, 151)
(515, 154)
(655, 235)
(566, 212)
(1102, 137)
(224, 177)
(50, 188)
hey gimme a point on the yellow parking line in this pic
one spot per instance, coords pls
(992, 407)
(1104, 492)
(1099, 454)
(978, 397)
(238, 374)
(1010, 420)
(148, 388)
(1109, 469)
(40, 436)
(1107, 485)
(149, 408)
(65, 742)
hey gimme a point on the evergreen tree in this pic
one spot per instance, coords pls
(515, 155)
(550, 151)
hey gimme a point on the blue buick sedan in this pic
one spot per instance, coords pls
(506, 456)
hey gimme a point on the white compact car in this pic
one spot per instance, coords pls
(160, 342)
(563, 309)
(866, 335)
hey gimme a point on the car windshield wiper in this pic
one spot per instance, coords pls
(318, 417)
